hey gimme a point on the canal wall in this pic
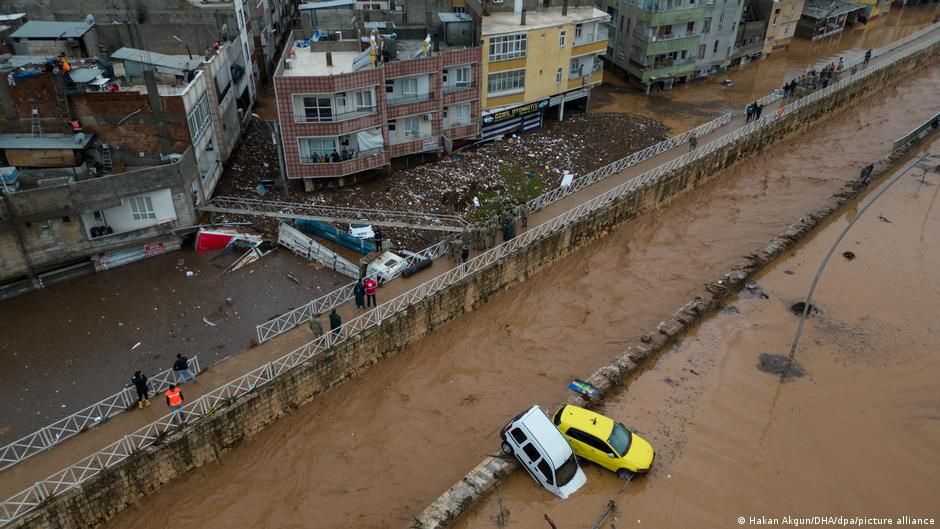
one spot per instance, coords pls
(204, 441)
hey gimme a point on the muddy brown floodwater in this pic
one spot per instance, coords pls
(855, 436)
(375, 451)
(691, 104)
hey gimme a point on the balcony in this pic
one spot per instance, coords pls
(660, 44)
(457, 86)
(409, 98)
(465, 130)
(660, 16)
(363, 161)
(588, 37)
(664, 68)
(324, 160)
(335, 117)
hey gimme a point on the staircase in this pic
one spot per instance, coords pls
(106, 159)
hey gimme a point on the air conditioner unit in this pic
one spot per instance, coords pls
(426, 117)
(288, 64)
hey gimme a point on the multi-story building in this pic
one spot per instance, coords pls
(344, 112)
(536, 61)
(782, 17)
(874, 8)
(821, 19)
(718, 36)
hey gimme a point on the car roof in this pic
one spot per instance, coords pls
(588, 421)
(551, 440)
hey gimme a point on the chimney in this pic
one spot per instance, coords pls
(329, 59)
(522, 23)
(564, 8)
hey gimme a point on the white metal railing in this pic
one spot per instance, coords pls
(205, 405)
(76, 423)
(910, 136)
(304, 313)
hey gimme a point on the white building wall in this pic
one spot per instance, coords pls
(121, 218)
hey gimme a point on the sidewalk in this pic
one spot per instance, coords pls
(42, 465)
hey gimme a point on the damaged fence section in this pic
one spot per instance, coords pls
(99, 412)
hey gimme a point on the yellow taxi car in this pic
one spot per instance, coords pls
(600, 440)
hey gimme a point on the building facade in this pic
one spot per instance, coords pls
(533, 62)
(782, 17)
(342, 114)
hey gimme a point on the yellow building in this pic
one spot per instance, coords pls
(782, 18)
(875, 8)
(536, 61)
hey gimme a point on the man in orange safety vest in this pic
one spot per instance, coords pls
(174, 399)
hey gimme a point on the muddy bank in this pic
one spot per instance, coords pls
(732, 441)
(437, 403)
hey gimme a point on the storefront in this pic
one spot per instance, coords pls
(522, 118)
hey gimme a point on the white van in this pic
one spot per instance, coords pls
(543, 452)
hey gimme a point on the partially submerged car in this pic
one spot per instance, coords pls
(603, 441)
(386, 266)
(361, 231)
(543, 452)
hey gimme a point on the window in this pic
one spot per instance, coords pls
(620, 51)
(97, 215)
(531, 452)
(142, 208)
(564, 34)
(409, 87)
(506, 82)
(690, 28)
(589, 440)
(518, 435)
(460, 9)
(462, 76)
(199, 118)
(621, 23)
(411, 127)
(546, 471)
(558, 76)
(389, 86)
(459, 114)
(774, 23)
(707, 25)
(786, 30)
(684, 54)
(317, 108)
(315, 149)
(578, 31)
(576, 69)
(507, 47)
(391, 125)
(701, 51)
(715, 48)
(364, 100)
(66, 219)
(340, 100)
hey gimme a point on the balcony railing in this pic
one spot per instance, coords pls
(457, 86)
(334, 117)
(586, 38)
(662, 38)
(455, 124)
(327, 160)
(410, 98)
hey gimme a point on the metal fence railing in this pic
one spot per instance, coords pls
(304, 313)
(205, 405)
(62, 429)
(912, 135)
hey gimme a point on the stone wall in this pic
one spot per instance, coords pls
(204, 441)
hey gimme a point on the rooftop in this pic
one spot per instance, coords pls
(21, 61)
(306, 63)
(11, 18)
(47, 141)
(828, 9)
(326, 4)
(45, 29)
(454, 17)
(175, 64)
(509, 22)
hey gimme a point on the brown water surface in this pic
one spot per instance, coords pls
(375, 451)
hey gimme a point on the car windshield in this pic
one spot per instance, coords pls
(620, 439)
(566, 472)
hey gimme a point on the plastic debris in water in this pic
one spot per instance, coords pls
(583, 388)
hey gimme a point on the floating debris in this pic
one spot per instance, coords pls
(781, 366)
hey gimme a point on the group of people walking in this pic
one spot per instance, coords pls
(174, 395)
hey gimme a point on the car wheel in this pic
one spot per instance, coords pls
(624, 474)
(506, 448)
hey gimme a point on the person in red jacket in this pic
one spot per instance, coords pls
(370, 285)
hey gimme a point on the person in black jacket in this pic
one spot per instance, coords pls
(181, 368)
(336, 321)
(143, 391)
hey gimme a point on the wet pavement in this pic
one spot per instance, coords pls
(855, 436)
(374, 452)
(75, 343)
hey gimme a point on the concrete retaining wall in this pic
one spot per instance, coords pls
(148, 470)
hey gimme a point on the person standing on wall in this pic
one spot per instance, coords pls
(371, 286)
(143, 391)
(181, 368)
(174, 399)
(378, 238)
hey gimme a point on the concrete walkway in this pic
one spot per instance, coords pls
(44, 464)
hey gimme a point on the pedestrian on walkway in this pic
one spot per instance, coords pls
(759, 109)
(181, 368)
(174, 399)
(464, 254)
(509, 229)
(786, 90)
(867, 57)
(750, 112)
(524, 215)
(139, 380)
(315, 326)
(336, 321)
(693, 142)
(841, 65)
(359, 291)
(371, 286)
(378, 238)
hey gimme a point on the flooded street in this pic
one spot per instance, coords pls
(375, 451)
(74, 343)
(855, 436)
(691, 104)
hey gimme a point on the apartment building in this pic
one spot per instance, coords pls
(535, 61)
(782, 17)
(345, 113)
